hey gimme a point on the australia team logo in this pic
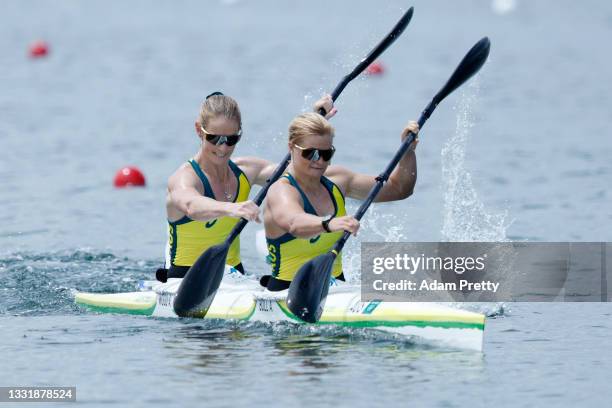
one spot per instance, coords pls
(314, 239)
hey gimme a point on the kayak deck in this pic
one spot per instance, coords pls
(242, 299)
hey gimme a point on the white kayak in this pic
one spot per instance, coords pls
(242, 298)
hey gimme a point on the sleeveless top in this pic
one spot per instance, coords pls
(288, 253)
(188, 238)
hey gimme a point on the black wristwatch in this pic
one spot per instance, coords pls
(325, 223)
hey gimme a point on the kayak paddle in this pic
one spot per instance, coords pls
(199, 286)
(309, 287)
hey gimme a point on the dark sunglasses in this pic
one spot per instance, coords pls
(313, 154)
(218, 140)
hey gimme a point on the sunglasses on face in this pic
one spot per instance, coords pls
(218, 140)
(312, 154)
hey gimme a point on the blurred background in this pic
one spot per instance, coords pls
(521, 152)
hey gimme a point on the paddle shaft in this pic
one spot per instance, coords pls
(280, 169)
(384, 176)
(201, 282)
(397, 30)
(309, 287)
(469, 65)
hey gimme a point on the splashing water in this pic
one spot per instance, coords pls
(377, 226)
(383, 226)
(41, 283)
(465, 217)
(309, 100)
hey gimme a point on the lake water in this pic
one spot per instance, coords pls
(522, 152)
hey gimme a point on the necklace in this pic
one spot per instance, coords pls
(226, 192)
(226, 189)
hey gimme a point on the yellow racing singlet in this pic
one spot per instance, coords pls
(188, 238)
(288, 253)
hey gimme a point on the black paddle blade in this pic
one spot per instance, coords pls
(395, 32)
(198, 288)
(470, 65)
(309, 287)
(389, 39)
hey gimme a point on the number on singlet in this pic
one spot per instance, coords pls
(272, 253)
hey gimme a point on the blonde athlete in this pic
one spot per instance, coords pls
(209, 194)
(305, 211)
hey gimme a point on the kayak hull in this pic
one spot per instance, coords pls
(247, 301)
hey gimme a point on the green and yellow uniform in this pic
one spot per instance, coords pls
(188, 238)
(288, 253)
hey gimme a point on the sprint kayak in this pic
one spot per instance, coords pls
(241, 298)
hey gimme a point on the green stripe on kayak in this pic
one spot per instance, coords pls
(119, 310)
(252, 312)
(387, 323)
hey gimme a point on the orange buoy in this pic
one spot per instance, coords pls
(129, 177)
(39, 49)
(375, 68)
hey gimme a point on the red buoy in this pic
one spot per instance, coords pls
(375, 68)
(128, 177)
(39, 49)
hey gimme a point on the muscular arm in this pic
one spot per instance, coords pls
(184, 197)
(284, 208)
(399, 186)
(356, 185)
(285, 213)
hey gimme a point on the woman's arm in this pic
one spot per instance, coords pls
(284, 205)
(399, 186)
(183, 195)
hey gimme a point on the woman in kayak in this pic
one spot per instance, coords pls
(207, 195)
(304, 212)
